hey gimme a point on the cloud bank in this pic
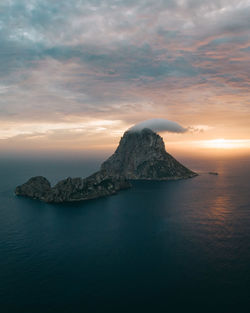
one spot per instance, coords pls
(64, 62)
(108, 57)
(159, 125)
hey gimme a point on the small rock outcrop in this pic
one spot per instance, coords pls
(72, 189)
(36, 188)
(142, 155)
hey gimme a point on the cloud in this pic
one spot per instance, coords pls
(124, 60)
(199, 128)
(159, 125)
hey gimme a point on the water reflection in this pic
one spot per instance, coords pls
(184, 242)
(220, 210)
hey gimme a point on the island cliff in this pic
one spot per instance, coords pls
(141, 155)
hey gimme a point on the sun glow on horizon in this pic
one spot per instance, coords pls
(209, 147)
(222, 143)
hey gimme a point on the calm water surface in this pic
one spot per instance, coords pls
(180, 246)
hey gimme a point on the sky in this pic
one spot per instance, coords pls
(74, 75)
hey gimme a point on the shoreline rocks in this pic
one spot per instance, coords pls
(72, 189)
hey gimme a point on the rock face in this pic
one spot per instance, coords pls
(142, 155)
(36, 188)
(72, 189)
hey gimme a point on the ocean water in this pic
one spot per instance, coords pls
(177, 246)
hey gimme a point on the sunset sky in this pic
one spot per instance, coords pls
(74, 75)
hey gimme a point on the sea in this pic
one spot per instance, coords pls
(176, 246)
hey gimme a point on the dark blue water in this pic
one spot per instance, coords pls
(181, 246)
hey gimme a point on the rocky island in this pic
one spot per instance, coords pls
(141, 155)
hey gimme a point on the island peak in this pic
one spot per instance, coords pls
(141, 154)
